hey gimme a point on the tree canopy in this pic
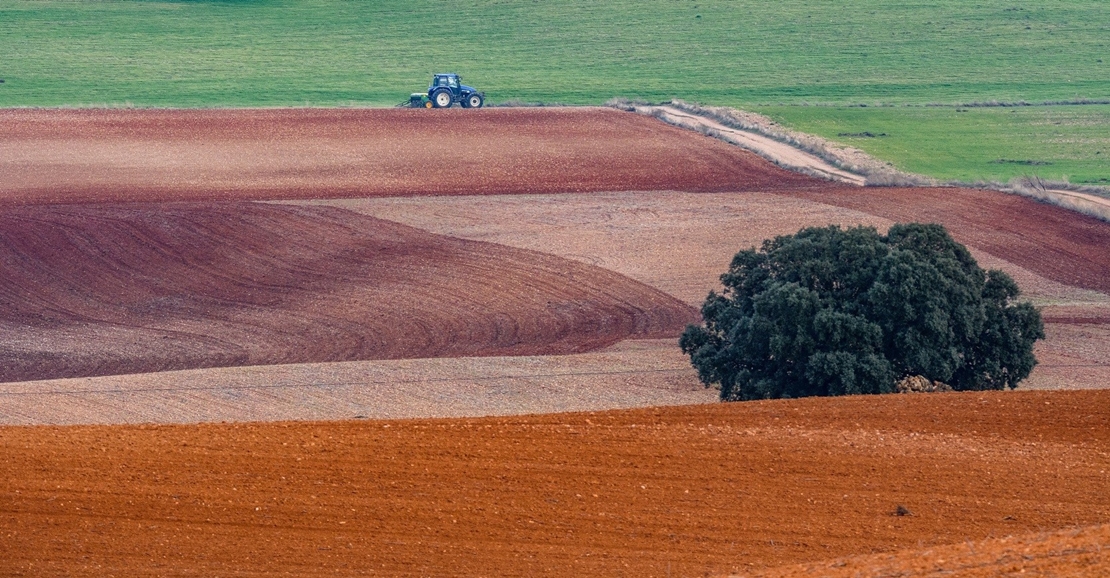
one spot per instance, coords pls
(831, 311)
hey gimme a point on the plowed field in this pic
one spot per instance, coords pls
(98, 155)
(1072, 552)
(130, 244)
(1054, 242)
(683, 491)
(110, 289)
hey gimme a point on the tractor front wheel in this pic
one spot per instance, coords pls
(474, 101)
(442, 99)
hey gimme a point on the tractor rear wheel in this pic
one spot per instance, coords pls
(442, 98)
(474, 101)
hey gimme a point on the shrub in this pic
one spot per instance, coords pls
(831, 311)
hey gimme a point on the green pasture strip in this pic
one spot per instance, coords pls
(970, 144)
(346, 52)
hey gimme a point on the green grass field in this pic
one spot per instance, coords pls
(970, 144)
(744, 53)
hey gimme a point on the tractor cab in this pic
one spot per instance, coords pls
(450, 81)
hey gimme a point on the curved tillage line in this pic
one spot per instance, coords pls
(108, 289)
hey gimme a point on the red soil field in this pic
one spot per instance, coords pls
(682, 491)
(125, 155)
(1071, 552)
(109, 289)
(152, 311)
(1056, 243)
(110, 286)
(113, 155)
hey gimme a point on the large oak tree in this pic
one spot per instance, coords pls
(831, 311)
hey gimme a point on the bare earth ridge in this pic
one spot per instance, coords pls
(110, 289)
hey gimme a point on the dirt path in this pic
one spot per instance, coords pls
(1084, 200)
(789, 156)
(777, 152)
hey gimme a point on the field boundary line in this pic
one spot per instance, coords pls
(330, 384)
(818, 157)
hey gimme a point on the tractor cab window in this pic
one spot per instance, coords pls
(441, 81)
(452, 81)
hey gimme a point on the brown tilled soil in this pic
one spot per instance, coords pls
(127, 155)
(677, 242)
(99, 288)
(1073, 552)
(681, 242)
(108, 289)
(99, 279)
(632, 373)
(668, 240)
(689, 491)
(1053, 242)
(1072, 356)
(112, 155)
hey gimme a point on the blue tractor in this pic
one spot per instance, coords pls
(446, 90)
